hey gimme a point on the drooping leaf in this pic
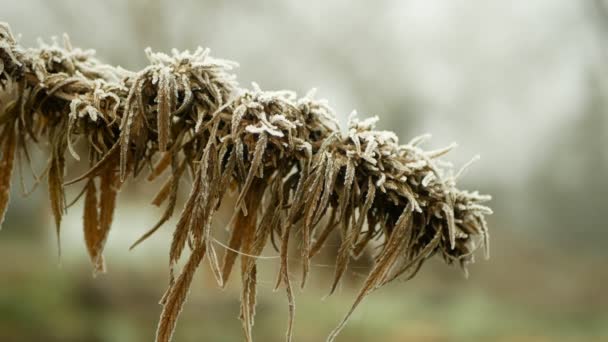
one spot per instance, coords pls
(8, 143)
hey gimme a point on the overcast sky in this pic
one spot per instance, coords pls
(501, 78)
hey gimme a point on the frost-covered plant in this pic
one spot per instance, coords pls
(297, 175)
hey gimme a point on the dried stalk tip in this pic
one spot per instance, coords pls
(285, 158)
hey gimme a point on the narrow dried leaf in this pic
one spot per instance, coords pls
(164, 99)
(160, 197)
(383, 264)
(243, 233)
(177, 295)
(163, 163)
(9, 143)
(56, 195)
(260, 147)
(92, 231)
(449, 213)
(163, 192)
(184, 223)
(108, 185)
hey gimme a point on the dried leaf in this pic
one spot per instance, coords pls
(8, 141)
(92, 231)
(109, 184)
(243, 232)
(176, 297)
(385, 261)
(164, 99)
(260, 147)
(163, 163)
(56, 195)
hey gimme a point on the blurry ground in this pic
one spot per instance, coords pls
(521, 83)
(551, 297)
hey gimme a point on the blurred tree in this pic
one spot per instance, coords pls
(569, 187)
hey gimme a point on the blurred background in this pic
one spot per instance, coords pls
(522, 83)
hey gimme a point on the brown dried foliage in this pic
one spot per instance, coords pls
(285, 157)
(9, 144)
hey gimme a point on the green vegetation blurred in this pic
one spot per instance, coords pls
(522, 84)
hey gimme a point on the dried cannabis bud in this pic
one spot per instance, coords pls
(185, 115)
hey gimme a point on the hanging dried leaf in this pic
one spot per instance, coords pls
(8, 142)
(164, 99)
(56, 194)
(92, 231)
(176, 297)
(109, 184)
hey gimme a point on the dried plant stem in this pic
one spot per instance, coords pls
(285, 158)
